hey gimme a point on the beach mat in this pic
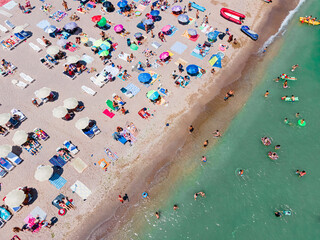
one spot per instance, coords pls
(133, 89)
(78, 165)
(57, 161)
(141, 8)
(81, 189)
(195, 38)
(43, 24)
(57, 181)
(180, 60)
(196, 55)
(108, 113)
(178, 47)
(173, 30)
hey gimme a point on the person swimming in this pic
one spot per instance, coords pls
(277, 147)
(240, 172)
(203, 159)
(266, 141)
(157, 214)
(195, 196)
(175, 207)
(284, 97)
(273, 155)
(302, 173)
(278, 214)
(293, 98)
(285, 84)
(294, 67)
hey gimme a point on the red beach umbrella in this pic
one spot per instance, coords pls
(96, 18)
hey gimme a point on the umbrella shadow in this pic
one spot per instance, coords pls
(77, 31)
(57, 170)
(55, 96)
(16, 150)
(34, 196)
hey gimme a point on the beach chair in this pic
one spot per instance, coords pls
(26, 77)
(19, 84)
(6, 164)
(103, 164)
(5, 214)
(71, 147)
(34, 47)
(88, 90)
(14, 158)
(9, 24)
(3, 29)
(97, 82)
(3, 172)
(95, 130)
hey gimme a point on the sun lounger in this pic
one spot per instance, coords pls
(78, 165)
(6, 14)
(26, 77)
(57, 181)
(97, 82)
(81, 189)
(6, 164)
(3, 29)
(19, 84)
(57, 161)
(39, 40)
(3, 172)
(5, 214)
(14, 158)
(95, 130)
(71, 147)
(88, 90)
(9, 24)
(34, 47)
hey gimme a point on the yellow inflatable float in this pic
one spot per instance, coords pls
(312, 22)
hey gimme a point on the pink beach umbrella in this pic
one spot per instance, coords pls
(166, 28)
(118, 28)
(164, 55)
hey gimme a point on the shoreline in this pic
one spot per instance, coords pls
(117, 212)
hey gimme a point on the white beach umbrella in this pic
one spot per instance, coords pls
(82, 123)
(50, 29)
(59, 112)
(4, 118)
(18, 29)
(4, 150)
(70, 103)
(15, 198)
(20, 137)
(53, 50)
(61, 42)
(43, 92)
(43, 173)
(73, 59)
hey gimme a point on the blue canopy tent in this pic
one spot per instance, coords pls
(145, 78)
(215, 61)
(192, 69)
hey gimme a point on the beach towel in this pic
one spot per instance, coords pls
(133, 89)
(78, 165)
(180, 60)
(57, 181)
(57, 161)
(156, 45)
(110, 154)
(123, 56)
(197, 55)
(56, 201)
(194, 38)
(3, 2)
(43, 24)
(173, 30)
(145, 2)
(58, 15)
(178, 47)
(31, 224)
(81, 189)
(108, 113)
(38, 212)
(191, 20)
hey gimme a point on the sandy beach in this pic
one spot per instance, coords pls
(135, 169)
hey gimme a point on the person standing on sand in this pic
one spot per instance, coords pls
(217, 134)
(266, 94)
(120, 199)
(65, 5)
(191, 129)
(230, 38)
(197, 14)
(205, 144)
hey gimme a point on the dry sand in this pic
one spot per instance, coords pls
(131, 172)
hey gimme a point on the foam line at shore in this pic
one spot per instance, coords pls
(282, 28)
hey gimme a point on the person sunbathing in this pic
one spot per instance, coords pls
(3, 130)
(46, 41)
(68, 204)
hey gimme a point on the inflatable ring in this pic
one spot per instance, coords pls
(221, 48)
(138, 13)
(144, 194)
(301, 124)
(62, 212)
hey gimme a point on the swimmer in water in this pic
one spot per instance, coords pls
(202, 194)
(286, 121)
(240, 172)
(293, 98)
(302, 173)
(195, 196)
(266, 94)
(277, 147)
(284, 97)
(297, 115)
(298, 172)
(203, 159)
(285, 84)
(175, 207)
(157, 214)
(294, 67)
(277, 79)
(278, 214)
(301, 121)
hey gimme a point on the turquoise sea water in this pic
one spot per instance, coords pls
(243, 207)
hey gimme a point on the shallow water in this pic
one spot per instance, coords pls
(243, 207)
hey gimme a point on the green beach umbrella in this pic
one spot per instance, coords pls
(98, 43)
(110, 104)
(102, 22)
(104, 53)
(134, 47)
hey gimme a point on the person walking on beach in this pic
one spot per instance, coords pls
(217, 134)
(228, 95)
(266, 94)
(205, 144)
(120, 199)
(197, 14)
(205, 19)
(180, 67)
(191, 129)
(230, 38)
(65, 5)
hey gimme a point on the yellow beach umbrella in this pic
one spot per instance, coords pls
(43, 173)
(15, 198)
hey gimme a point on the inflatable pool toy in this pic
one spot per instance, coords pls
(273, 155)
(289, 99)
(138, 13)
(222, 48)
(144, 194)
(266, 141)
(246, 30)
(62, 212)
(232, 15)
(288, 213)
(312, 22)
(302, 124)
(286, 77)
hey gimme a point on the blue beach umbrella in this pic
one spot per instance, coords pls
(183, 19)
(144, 77)
(215, 61)
(105, 46)
(153, 95)
(148, 22)
(122, 4)
(155, 13)
(70, 26)
(192, 69)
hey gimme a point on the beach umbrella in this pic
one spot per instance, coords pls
(82, 123)
(70, 26)
(105, 46)
(148, 22)
(212, 36)
(73, 59)
(59, 112)
(43, 92)
(4, 150)
(166, 28)
(118, 28)
(164, 55)
(84, 39)
(153, 95)
(107, 4)
(20, 137)
(43, 173)
(134, 47)
(4, 118)
(183, 19)
(15, 198)
(53, 50)
(98, 43)
(192, 69)
(96, 18)
(192, 32)
(215, 61)
(155, 13)
(70, 103)
(110, 104)
(144, 77)
(138, 35)
(103, 53)
(18, 29)
(50, 29)
(102, 22)
(176, 8)
(122, 4)
(62, 42)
